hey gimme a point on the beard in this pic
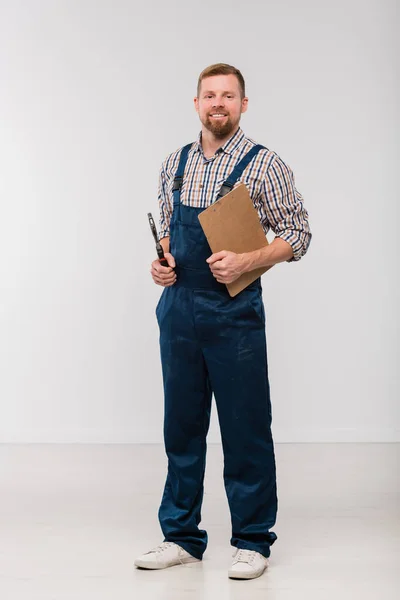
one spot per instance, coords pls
(220, 129)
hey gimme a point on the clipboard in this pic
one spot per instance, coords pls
(232, 223)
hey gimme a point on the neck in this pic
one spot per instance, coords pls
(211, 144)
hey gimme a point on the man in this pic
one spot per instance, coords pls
(212, 343)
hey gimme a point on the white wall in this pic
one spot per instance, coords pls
(93, 96)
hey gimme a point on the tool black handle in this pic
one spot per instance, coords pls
(161, 258)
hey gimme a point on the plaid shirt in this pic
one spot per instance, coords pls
(269, 180)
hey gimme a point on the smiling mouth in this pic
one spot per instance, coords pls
(218, 116)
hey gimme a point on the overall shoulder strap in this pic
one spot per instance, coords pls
(178, 179)
(238, 170)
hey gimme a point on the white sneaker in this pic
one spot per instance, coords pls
(247, 564)
(167, 554)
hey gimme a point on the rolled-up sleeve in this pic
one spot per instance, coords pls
(284, 210)
(164, 203)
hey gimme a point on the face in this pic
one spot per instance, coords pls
(220, 105)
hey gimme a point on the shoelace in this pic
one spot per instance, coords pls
(164, 546)
(246, 556)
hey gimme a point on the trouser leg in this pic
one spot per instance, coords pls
(187, 404)
(236, 359)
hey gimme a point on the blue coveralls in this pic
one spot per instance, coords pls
(212, 343)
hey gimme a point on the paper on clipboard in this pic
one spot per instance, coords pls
(232, 223)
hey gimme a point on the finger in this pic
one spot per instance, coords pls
(216, 267)
(164, 280)
(159, 267)
(165, 284)
(160, 274)
(169, 284)
(220, 273)
(217, 256)
(170, 259)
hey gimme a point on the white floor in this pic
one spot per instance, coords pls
(73, 517)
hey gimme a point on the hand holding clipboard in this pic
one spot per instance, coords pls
(232, 223)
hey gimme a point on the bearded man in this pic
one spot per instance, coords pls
(214, 344)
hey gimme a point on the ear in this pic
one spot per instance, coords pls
(196, 103)
(245, 103)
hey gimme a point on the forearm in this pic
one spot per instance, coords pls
(276, 252)
(165, 243)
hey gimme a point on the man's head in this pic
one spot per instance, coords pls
(221, 99)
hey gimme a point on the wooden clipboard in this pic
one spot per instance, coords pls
(232, 223)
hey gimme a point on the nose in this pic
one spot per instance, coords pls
(218, 103)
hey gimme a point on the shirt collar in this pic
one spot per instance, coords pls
(232, 144)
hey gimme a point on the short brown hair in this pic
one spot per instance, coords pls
(222, 69)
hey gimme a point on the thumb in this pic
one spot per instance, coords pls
(217, 256)
(170, 259)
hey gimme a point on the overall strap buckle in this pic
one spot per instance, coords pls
(178, 179)
(177, 185)
(225, 188)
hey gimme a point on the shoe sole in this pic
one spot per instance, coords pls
(153, 566)
(235, 575)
